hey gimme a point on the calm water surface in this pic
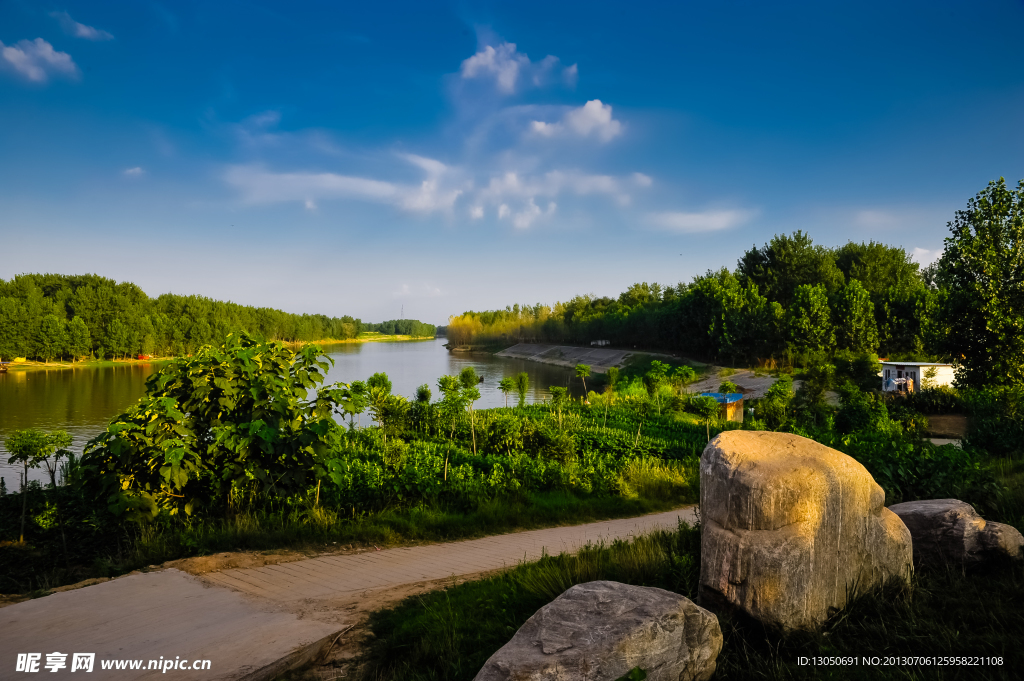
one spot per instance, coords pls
(82, 401)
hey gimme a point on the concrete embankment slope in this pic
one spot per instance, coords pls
(256, 623)
(599, 359)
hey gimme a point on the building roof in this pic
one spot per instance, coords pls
(724, 398)
(919, 364)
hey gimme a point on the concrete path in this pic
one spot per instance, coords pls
(255, 623)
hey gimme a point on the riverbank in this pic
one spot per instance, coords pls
(32, 365)
(599, 359)
(367, 337)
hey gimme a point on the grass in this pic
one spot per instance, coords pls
(448, 635)
(313, 529)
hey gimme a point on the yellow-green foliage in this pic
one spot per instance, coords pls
(652, 478)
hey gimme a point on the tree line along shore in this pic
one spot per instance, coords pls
(51, 316)
(792, 300)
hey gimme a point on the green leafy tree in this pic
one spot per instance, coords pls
(507, 386)
(354, 400)
(707, 408)
(786, 263)
(33, 448)
(379, 394)
(471, 393)
(231, 424)
(453, 402)
(656, 377)
(117, 338)
(582, 371)
(855, 319)
(810, 319)
(79, 339)
(51, 337)
(421, 409)
(983, 265)
(522, 386)
(728, 387)
(559, 396)
(684, 376)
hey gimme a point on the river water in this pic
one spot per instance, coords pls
(83, 400)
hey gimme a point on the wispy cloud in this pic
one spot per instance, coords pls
(512, 70)
(706, 221)
(258, 185)
(72, 27)
(37, 61)
(423, 290)
(591, 119)
(134, 172)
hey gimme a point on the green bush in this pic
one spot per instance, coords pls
(909, 468)
(997, 420)
(940, 400)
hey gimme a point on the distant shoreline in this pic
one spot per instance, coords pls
(368, 337)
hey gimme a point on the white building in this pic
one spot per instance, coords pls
(907, 376)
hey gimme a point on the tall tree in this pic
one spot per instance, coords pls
(810, 319)
(582, 371)
(983, 264)
(470, 392)
(855, 319)
(31, 448)
(786, 263)
(51, 337)
(506, 386)
(522, 386)
(79, 340)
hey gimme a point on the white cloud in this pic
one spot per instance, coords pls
(642, 180)
(570, 75)
(257, 185)
(593, 118)
(134, 172)
(72, 27)
(476, 212)
(707, 221)
(510, 68)
(36, 60)
(550, 185)
(528, 215)
(311, 205)
(925, 257)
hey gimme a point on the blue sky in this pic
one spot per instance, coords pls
(355, 158)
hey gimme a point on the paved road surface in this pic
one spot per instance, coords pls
(253, 623)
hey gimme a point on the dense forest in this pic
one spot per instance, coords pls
(48, 316)
(403, 327)
(792, 301)
(787, 297)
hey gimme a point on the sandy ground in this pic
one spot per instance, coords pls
(752, 384)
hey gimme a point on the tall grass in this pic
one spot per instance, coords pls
(448, 635)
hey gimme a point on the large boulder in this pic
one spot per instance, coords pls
(791, 529)
(951, 531)
(599, 631)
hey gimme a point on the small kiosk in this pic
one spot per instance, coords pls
(732, 405)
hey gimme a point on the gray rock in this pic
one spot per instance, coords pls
(791, 529)
(949, 530)
(598, 631)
